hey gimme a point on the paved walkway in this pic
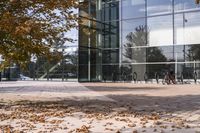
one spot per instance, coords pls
(99, 107)
(30, 90)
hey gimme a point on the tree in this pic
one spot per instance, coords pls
(30, 27)
(134, 39)
(195, 50)
(197, 1)
(134, 51)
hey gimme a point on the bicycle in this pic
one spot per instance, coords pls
(168, 78)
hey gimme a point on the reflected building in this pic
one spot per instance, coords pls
(120, 38)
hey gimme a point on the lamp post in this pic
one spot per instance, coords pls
(62, 51)
(0, 70)
(34, 60)
(63, 76)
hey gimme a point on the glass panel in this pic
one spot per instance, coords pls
(111, 35)
(187, 70)
(110, 56)
(134, 55)
(185, 5)
(160, 30)
(126, 73)
(134, 33)
(187, 28)
(95, 72)
(83, 73)
(83, 36)
(159, 54)
(110, 73)
(151, 54)
(110, 10)
(187, 53)
(93, 8)
(159, 69)
(84, 9)
(95, 57)
(83, 56)
(133, 8)
(139, 70)
(158, 7)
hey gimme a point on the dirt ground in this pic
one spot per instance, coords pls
(70, 107)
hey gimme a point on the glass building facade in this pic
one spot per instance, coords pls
(137, 39)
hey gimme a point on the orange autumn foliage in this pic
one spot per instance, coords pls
(30, 27)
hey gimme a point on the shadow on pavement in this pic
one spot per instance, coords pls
(123, 103)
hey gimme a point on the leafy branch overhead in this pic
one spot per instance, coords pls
(30, 27)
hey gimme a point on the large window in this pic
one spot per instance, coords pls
(133, 8)
(160, 30)
(110, 56)
(187, 53)
(110, 10)
(110, 34)
(187, 28)
(158, 7)
(147, 54)
(185, 5)
(134, 33)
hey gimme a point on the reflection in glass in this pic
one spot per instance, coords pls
(160, 30)
(110, 72)
(187, 53)
(194, 50)
(95, 56)
(158, 7)
(187, 28)
(147, 54)
(110, 56)
(134, 55)
(95, 72)
(110, 34)
(127, 73)
(83, 73)
(134, 33)
(185, 5)
(154, 54)
(133, 8)
(110, 10)
(159, 69)
(83, 56)
(148, 44)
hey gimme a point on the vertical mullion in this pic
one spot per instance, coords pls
(89, 39)
(173, 23)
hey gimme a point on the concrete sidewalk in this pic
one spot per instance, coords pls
(99, 107)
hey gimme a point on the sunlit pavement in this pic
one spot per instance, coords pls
(101, 107)
(43, 90)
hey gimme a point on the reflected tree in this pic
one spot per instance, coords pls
(140, 54)
(137, 38)
(194, 52)
(155, 54)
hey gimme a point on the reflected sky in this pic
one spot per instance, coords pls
(185, 5)
(130, 26)
(188, 31)
(157, 7)
(133, 8)
(160, 30)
